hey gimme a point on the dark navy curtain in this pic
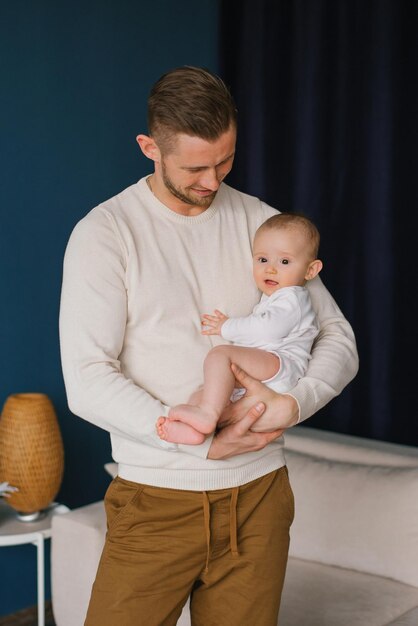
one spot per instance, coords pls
(327, 98)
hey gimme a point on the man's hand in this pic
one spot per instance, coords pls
(212, 324)
(282, 411)
(239, 437)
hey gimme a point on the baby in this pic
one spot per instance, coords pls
(273, 344)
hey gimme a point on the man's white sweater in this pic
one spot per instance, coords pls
(137, 277)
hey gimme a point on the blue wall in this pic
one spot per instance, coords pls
(75, 78)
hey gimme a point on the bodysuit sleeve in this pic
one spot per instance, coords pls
(268, 326)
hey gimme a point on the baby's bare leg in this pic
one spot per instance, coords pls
(218, 386)
(218, 376)
(196, 397)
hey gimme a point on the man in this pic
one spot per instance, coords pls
(210, 520)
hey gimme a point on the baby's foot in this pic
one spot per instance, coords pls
(178, 432)
(201, 418)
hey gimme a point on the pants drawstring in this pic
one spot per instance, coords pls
(206, 517)
(233, 522)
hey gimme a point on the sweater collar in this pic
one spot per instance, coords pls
(161, 208)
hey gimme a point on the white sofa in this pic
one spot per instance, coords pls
(354, 542)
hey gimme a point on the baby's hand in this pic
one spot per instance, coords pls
(212, 324)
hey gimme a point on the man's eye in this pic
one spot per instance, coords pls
(285, 261)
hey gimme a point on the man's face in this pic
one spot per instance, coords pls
(280, 259)
(191, 173)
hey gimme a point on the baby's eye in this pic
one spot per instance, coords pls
(262, 259)
(285, 261)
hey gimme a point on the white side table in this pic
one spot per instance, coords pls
(14, 533)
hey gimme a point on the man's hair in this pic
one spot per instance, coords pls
(298, 222)
(189, 100)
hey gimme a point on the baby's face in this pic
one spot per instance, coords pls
(281, 258)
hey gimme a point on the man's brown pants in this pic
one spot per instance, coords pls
(226, 548)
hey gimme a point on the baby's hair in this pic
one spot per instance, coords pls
(295, 221)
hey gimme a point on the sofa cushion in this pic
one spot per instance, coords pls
(322, 595)
(361, 517)
(410, 618)
(339, 447)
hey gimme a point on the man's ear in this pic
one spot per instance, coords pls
(314, 268)
(149, 147)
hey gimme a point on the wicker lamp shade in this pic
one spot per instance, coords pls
(31, 451)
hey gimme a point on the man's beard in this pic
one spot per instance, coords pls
(182, 195)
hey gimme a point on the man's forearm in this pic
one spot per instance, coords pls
(334, 360)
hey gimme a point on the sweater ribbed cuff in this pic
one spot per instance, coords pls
(305, 398)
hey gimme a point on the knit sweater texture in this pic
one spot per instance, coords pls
(137, 277)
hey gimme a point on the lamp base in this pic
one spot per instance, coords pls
(36, 516)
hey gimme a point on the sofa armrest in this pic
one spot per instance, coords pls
(77, 543)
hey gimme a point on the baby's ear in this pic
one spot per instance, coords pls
(313, 269)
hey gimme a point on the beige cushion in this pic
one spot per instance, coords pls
(321, 595)
(338, 447)
(356, 516)
(410, 618)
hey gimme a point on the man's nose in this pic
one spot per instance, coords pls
(209, 179)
